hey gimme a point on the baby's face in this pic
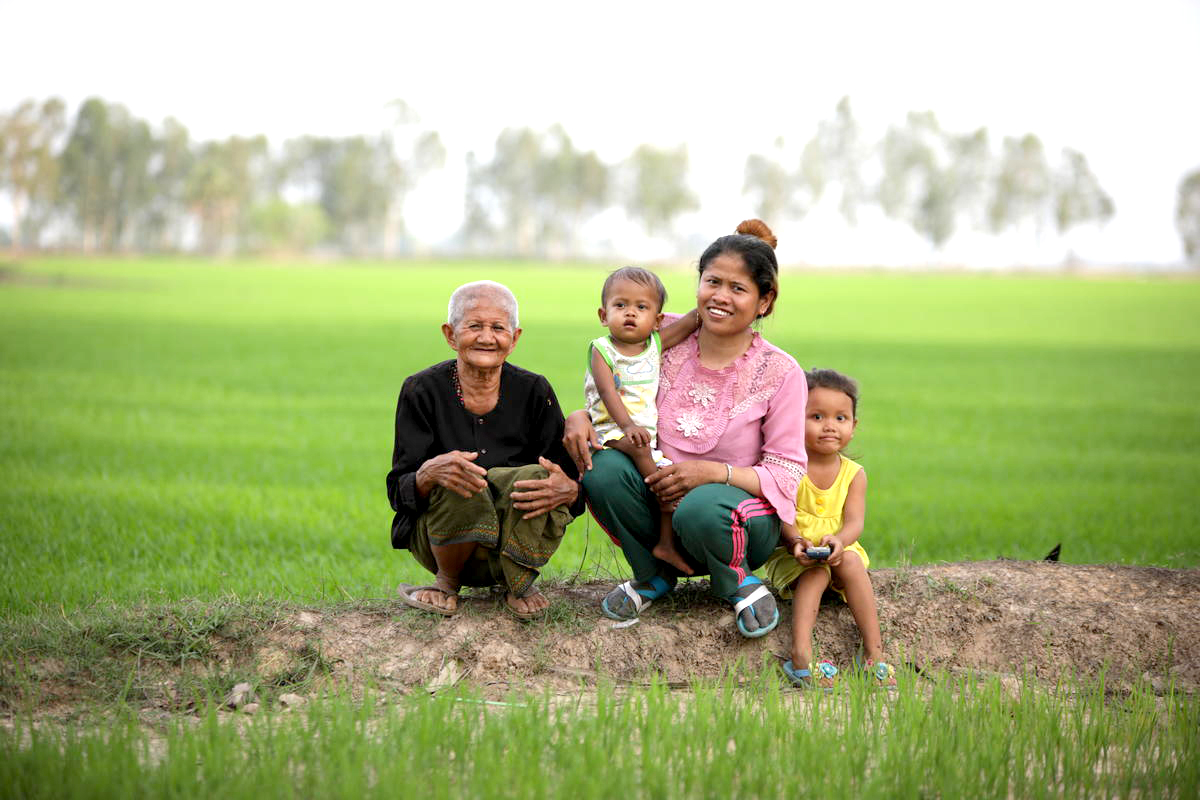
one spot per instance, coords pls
(631, 312)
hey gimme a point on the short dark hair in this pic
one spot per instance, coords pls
(637, 275)
(832, 379)
(755, 243)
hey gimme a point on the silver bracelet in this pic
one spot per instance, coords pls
(728, 474)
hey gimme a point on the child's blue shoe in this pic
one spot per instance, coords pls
(804, 677)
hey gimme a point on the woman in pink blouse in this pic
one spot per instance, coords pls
(731, 419)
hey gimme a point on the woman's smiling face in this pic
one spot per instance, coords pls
(727, 298)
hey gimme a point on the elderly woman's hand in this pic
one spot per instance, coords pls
(541, 495)
(456, 471)
(580, 439)
(671, 483)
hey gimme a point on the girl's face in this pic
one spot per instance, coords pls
(829, 421)
(727, 298)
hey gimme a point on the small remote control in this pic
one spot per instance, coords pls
(817, 553)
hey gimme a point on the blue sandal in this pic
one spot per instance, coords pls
(626, 594)
(881, 673)
(804, 677)
(743, 601)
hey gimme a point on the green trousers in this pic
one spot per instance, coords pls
(723, 531)
(511, 549)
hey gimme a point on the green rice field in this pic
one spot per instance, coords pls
(207, 437)
(186, 429)
(965, 738)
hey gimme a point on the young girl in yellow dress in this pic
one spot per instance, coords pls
(831, 505)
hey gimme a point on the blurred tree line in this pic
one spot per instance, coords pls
(108, 181)
(936, 181)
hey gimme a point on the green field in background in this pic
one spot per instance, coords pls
(183, 428)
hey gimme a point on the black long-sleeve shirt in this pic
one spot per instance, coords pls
(526, 423)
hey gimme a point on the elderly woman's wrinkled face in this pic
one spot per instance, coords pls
(485, 335)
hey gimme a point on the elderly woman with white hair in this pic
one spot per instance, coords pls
(481, 484)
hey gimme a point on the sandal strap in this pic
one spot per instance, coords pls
(759, 593)
(631, 593)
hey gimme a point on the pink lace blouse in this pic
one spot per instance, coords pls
(748, 414)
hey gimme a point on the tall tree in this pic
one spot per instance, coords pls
(1187, 216)
(535, 193)
(1023, 188)
(1078, 196)
(918, 181)
(770, 184)
(572, 186)
(28, 164)
(223, 186)
(105, 178)
(970, 168)
(477, 232)
(834, 156)
(87, 163)
(658, 190)
(358, 181)
(170, 168)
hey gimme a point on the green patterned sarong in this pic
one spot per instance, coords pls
(511, 549)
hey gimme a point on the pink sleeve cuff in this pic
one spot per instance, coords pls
(779, 480)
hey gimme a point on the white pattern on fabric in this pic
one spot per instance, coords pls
(689, 424)
(702, 394)
(786, 472)
(716, 396)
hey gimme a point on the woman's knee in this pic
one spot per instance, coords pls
(612, 472)
(702, 511)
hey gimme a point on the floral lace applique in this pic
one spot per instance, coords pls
(760, 382)
(702, 393)
(701, 401)
(689, 423)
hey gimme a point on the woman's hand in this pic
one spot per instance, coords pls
(836, 550)
(671, 483)
(540, 495)
(456, 471)
(580, 439)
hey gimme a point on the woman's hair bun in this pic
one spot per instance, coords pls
(758, 228)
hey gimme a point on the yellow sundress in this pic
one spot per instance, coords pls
(818, 514)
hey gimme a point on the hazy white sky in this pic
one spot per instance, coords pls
(1116, 81)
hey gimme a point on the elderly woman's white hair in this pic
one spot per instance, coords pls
(469, 293)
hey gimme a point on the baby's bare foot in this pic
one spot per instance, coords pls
(665, 551)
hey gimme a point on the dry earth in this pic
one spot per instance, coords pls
(1134, 623)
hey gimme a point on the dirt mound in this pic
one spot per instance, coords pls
(1132, 623)
(1002, 616)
